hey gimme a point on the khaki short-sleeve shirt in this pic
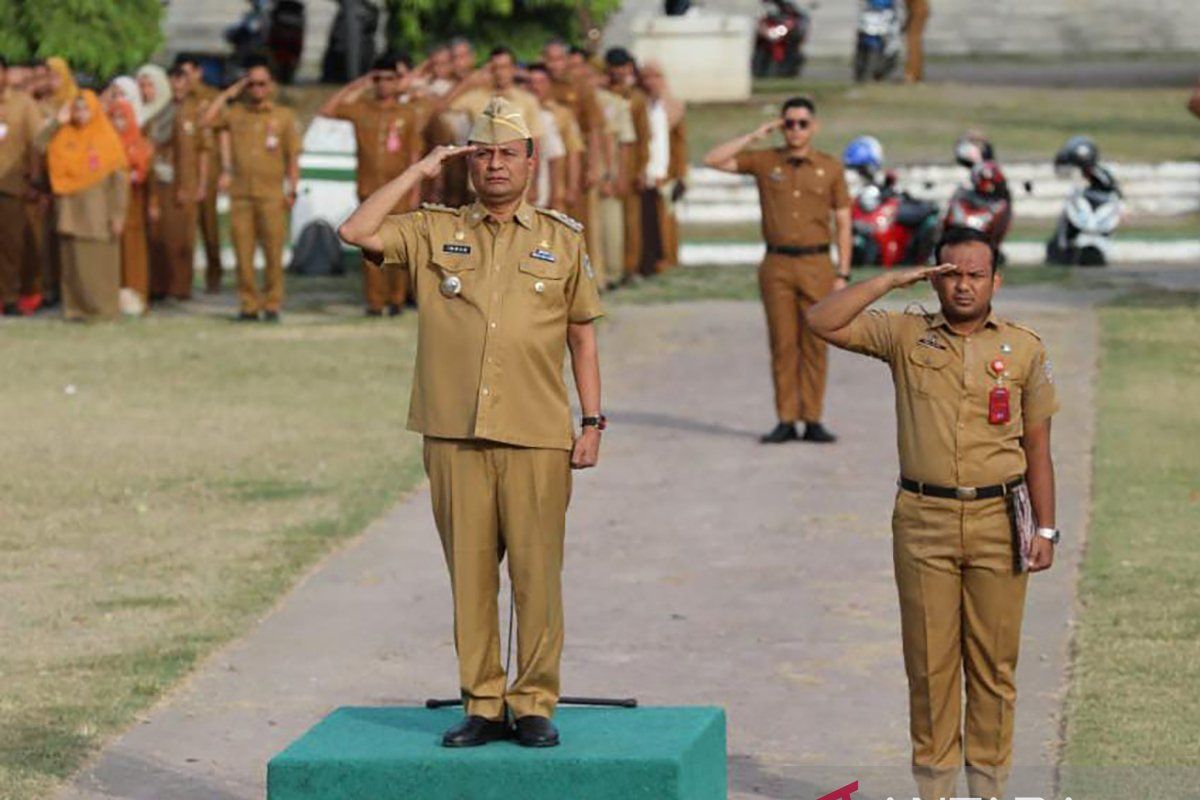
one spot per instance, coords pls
(943, 381)
(388, 139)
(495, 300)
(265, 139)
(798, 195)
(20, 122)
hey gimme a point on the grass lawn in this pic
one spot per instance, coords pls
(919, 124)
(1134, 709)
(167, 479)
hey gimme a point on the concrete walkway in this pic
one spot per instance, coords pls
(701, 568)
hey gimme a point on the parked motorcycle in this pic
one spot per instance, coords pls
(985, 203)
(779, 40)
(890, 226)
(877, 45)
(274, 30)
(1091, 213)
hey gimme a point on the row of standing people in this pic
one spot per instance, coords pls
(611, 145)
(107, 189)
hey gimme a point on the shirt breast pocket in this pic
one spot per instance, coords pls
(927, 371)
(544, 282)
(454, 274)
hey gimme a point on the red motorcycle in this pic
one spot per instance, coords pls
(890, 226)
(985, 205)
(779, 40)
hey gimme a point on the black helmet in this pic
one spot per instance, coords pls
(1079, 151)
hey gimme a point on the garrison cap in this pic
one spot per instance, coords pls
(500, 122)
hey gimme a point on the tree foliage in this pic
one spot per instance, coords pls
(523, 25)
(100, 37)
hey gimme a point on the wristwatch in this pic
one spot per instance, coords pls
(599, 422)
(1053, 534)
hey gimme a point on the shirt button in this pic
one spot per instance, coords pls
(539, 287)
(493, 324)
(486, 391)
(796, 193)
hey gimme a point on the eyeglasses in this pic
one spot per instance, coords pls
(802, 124)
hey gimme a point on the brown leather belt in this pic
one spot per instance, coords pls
(810, 250)
(961, 492)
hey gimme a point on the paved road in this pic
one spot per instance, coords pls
(702, 568)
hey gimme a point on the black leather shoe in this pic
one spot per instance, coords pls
(816, 432)
(395, 310)
(536, 732)
(783, 432)
(474, 731)
(374, 312)
(247, 316)
(270, 316)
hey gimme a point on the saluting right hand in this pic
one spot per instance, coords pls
(431, 165)
(767, 128)
(907, 277)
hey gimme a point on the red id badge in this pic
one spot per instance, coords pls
(392, 143)
(998, 409)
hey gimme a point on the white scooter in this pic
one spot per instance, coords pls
(1091, 213)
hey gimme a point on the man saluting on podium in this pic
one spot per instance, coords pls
(505, 290)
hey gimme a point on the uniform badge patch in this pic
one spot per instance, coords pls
(929, 340)
(587, 267)
(542, 255)
(1046, 368)
(1006, 348)
(457, 249)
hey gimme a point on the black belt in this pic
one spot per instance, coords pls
(810, 250)
(961, 492)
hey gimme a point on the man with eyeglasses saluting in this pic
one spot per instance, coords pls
(804, 199)
(260, 169)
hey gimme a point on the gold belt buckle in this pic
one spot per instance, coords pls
(965, 492)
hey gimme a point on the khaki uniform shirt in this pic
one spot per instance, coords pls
(618, 119)
(177, 161)
(942, 384)
(388, 139)
(20, 121)
(474, 101)
(265, 139)
(568, 127)
(639, 109)
(490, 356)
(581, 99)
(798, 196)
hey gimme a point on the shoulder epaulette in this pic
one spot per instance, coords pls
(1021, 327)
(918, 310)
(440, 207)
(571, 223)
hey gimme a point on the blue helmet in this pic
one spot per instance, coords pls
(863, 152)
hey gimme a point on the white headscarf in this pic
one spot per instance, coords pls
(131, 93)
(160, 114)
(162, 88)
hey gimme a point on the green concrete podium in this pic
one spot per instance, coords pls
(606, 754)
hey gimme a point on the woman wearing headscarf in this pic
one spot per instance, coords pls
(62, 80)
(127, 88)
(135, 274)
(86, 161)
(158, 126)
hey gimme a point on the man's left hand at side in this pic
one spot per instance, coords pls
(1041, 554)
(587, 449)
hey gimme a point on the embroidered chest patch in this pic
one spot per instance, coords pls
(929, 340)
(543, 255)
(457, 249)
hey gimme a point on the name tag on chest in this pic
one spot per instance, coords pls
(542, 255)
(457, 249)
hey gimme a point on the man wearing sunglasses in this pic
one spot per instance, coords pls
(259, 154)
(387, 141)
(804, 199)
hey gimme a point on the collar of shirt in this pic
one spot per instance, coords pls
(794, 161)
(938, 320)
(478, 212)
(263, 107)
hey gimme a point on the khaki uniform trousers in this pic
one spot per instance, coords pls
(384, 287)
(258, 221)
(13, 241)
(612, 240)
(211, 233)
(632, 210)
(914, 58)
(961, 602)
(175, 242)
(489, 499)
(789, 287)
(91, 277)
(35, 257)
